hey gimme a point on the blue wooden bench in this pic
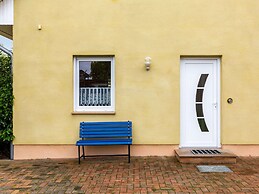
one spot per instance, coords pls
(104, 134)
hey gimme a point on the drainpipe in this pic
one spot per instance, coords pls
(8, 52)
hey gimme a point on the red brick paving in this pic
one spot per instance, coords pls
(115, 175)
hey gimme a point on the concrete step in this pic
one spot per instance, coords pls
(205, 156)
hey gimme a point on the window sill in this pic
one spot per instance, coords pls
(94, 113)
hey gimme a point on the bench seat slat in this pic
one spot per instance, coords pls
(106, 129)
(116, 134)
(105, 132)
(111, 124)
(106, 122)
(86, 126)
(105, 142)
(104, 136)
(85, 133)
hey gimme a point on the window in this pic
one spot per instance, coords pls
(94, 87)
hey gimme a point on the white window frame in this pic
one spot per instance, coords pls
(90, 109)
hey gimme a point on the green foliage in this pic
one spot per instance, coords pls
(101, 70)
(6, 99)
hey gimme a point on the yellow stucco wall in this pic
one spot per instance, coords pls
(132, 30)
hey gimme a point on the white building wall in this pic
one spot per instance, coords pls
(6, 12)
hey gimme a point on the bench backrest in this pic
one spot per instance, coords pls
(106, 129)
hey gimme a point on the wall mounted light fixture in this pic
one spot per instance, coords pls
(39, 27)
(147, 63)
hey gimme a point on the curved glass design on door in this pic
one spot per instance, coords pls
(199, 103)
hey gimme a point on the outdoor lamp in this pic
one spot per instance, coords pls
(147, 63)
(39, 27)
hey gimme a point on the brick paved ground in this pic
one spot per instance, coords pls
(115, 175)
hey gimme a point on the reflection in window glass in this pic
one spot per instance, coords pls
(95, 83)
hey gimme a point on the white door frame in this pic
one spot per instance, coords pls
(216, 96)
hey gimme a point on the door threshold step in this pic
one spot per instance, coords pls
(205, 156)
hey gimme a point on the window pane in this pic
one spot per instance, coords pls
(199, 95)
(203, 125)
(199, 110)
(202, 80)
(95, 83)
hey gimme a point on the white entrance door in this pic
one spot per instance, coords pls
(200, 102)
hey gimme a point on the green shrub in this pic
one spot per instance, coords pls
(6, 99)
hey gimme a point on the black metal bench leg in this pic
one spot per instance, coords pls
(78, 154)
(83, 152)
(128, 153)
